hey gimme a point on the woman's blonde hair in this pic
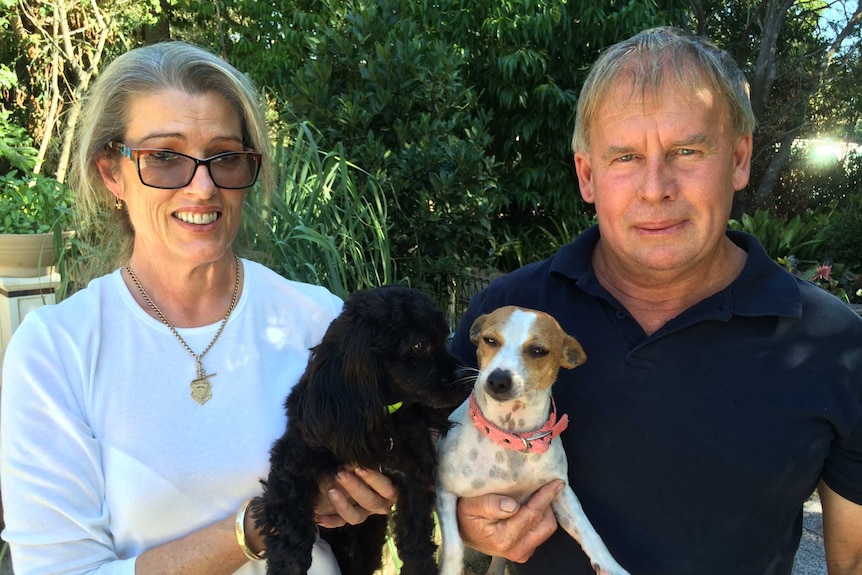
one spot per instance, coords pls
(148, 70)
(657, 55)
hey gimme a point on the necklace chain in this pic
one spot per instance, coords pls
(201, 387)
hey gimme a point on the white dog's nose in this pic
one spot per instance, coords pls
(499, 384)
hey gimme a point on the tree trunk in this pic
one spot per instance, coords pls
(84, 77)
(56, 100)
(764, 76)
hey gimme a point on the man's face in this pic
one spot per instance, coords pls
(661, 170)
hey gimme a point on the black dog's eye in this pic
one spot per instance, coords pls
(420, 346)
(489, 341)
(538, 352)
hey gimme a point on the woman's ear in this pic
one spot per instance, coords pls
(110, 174)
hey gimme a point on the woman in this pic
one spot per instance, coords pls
(138, 414)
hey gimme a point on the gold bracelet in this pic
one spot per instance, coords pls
(239, 526)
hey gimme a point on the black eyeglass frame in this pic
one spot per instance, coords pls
(133, 154)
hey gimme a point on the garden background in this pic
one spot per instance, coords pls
(428, 142)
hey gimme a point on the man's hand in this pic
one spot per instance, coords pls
(497, 525)
(353, 496)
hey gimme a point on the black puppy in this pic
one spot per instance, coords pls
(375, 389)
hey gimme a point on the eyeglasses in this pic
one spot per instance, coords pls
(168, 170)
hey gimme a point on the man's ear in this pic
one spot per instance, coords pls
(742, 161)
(110, 174)
(585, 176)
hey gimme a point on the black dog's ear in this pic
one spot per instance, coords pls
(341, 406)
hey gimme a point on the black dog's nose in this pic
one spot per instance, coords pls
(499, 382)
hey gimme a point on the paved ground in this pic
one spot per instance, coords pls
(809, 559)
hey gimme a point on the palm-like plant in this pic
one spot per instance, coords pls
(319, 226)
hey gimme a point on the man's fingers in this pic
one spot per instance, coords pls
(497, 525)
(539, 529)
(545, 494)
(535, 523)
(491, 506)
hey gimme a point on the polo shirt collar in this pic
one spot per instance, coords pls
(763, 288)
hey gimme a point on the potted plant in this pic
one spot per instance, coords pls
(35, 218)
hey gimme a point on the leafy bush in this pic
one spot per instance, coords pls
(460, 112)
(33, 204)
(843, 236)
(320, 226)
(29, 203)
(801, 238)
(802, 246)
(524, 245)
(376, 80)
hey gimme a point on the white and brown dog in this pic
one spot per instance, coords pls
(504, 440)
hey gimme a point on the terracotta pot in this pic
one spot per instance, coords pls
(27, 255)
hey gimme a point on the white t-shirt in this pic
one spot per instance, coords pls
(104, 454)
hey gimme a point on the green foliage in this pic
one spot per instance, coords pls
(844, 234)
(528, 60)
(801, 238)
(33, 204)
(457, 114)
(461, 112)
(29, 203)
(16, 149)
(813, 179)
(373, 78)
(54, 49)
(319, 226)
(804, 248)
(800, 87)
(524, 245)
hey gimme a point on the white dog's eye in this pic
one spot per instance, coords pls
(489, 341)
(538, 352)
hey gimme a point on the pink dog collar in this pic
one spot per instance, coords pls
(537, 441)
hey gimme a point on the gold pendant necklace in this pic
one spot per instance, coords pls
(200, 386)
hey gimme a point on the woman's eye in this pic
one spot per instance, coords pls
(228, 160)
(162, 157)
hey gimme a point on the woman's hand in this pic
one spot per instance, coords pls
(497, 525)
(354, 495)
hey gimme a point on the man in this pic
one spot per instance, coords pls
(719, 391)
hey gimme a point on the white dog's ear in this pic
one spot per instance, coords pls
(476, 328)
(573, 353)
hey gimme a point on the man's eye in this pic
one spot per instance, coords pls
(626, 158)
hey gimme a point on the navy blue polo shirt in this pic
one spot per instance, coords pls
(693, 449)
